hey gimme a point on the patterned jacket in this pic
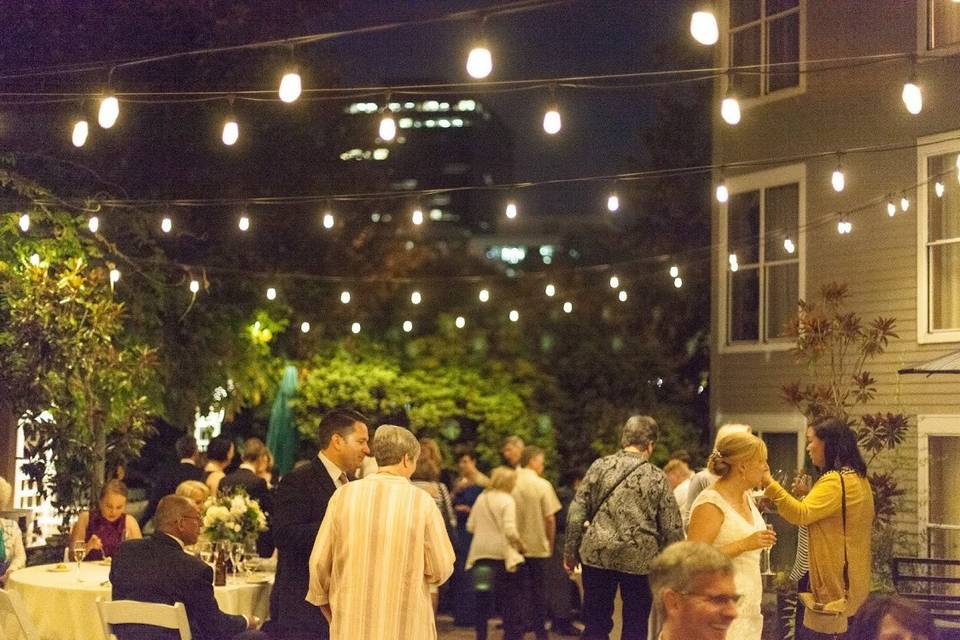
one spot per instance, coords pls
(638, 520)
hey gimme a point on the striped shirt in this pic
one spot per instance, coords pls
(381, 545)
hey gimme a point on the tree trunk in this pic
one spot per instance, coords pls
(98, 468)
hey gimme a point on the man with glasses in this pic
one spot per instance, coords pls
(694, 592)
(157, 569)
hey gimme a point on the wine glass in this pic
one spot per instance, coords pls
(79, 552)
(205, 550)
(765, 563)
(237, 552)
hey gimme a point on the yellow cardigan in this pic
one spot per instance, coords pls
(820, 511)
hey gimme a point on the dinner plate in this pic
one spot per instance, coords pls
(58, 569)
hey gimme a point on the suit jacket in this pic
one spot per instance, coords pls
(257, 489)
(156, 569)
(168, 479)
(299, 507)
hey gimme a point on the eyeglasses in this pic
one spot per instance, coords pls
(717, 600)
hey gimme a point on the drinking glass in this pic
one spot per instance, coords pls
(79, 552)
(237, 550)
(765, 563)
(205, 549)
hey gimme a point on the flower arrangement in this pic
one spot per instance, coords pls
(235, 517)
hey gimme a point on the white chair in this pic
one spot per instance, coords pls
(11, 608)
(168, 616)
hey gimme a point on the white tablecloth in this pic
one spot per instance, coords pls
(65, 608)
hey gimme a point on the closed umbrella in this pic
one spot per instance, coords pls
(282, 437)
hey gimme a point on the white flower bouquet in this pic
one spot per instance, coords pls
(236, 517)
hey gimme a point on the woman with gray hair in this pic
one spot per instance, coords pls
(12, 554)
(381, 545)
(623, 515)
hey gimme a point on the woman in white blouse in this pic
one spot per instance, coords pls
(12, 554)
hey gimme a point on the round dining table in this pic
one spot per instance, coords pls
(62, 602)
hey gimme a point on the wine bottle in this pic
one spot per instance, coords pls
(220, 567)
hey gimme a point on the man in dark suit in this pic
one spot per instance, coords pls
(156, 569)
(299, 507)
(170, 476)
(256, 458)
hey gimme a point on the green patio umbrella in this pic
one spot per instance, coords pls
(282, 436)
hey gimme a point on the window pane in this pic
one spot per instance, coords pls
(781, 212)
(783, 293)
(744, 305)
(776, 6)
(944, 27)
(943, 222)
(944, 453)
(944, 273)
(783, 46)
(743, 227)
(745, 50)
(744, 11)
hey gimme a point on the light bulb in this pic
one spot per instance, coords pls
(550, 290)
(484, 295)
(416, 298)
(734, 267)
(938, 188)
(678, 282)
(109, 111)
(844, 227)
(511, 210)
(613, 203)
(912, 97)
(551, 121)
(166, 225)
(622, 296)
(80, 131)
(231, 132)
(479, 62)
(114, 276)
(703, 27)
(305, 327)
(904, 203)
(93, 224)
(891, 208)
(271, 293)
(460, 322)
(35, 259)
(417, 216)
(407, 326)
(345, 297)
(730, 110)
(388, 128)
(194, 286)
(355, 327)
(290, 86)
(674, 271)
(328, 221)
(24, 222)
(722, 193)
(244, 223)
(732, 258)
(614, 282)
(567, 307)
(514, 315)
(838, 180)
(789, 246)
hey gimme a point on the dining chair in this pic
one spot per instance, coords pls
(168, 616)
(11, 608)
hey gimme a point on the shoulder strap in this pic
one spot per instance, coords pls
(612, 489)
(843, 517)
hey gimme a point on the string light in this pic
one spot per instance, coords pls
(844, 227)
(514, 315)
(290, 86)
(479, 62)
(551, 120)
(734, 265)
(231, 132)
(703, 27)
(511, 210)
(789, 246)
(838, 180)
(244, 223)
(166, 225)
(416, 298)
(614, 282)
(730, 110)
(114, 276)
(355, 327)
(938, 189)
(891, 208)
(417, 216)
(550, 290)
(24, 222)
(484, 295)
(271, 293)
(388, 126)
(674, 271)
(911, 95)
(904, 203)
(622, 296)
(79, 134)
(613, 203)
(407, 326)
(678, 282)
(194, 286)
(722, 193)
(35, 259)
(109, 111)
(460, 322)
(304, 327)
(345, 297)
(328, 221)
(567, 307)
(93, 224)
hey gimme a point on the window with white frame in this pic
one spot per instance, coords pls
(765, 35)
(938, 285)
(762, 221)
(938, 451)
(943, 24)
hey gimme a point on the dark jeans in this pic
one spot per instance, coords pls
(599, 591)
(533, 582)
(507, 589)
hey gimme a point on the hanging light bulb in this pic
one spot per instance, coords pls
(416, 298)
(732, 259)
(837, 179)
(355, 327)
(567, 307)
(345, 297)
(417, 216)
(484, 295)
(244, 223)
(891, 208)
(93, 224)
(678, 282)
(613, 203)
(388, 127)
(231, 132)
(912, 97)
(938, 189)
(730, 110)
(24, 222)
(290, 86)
(35, 259)
(407, 326)
(789, 246)
(674, 271)
(622, 296)
(166, 225)
(722, 193)
(80, 131)
(551, 121)
(479, 62)
(550, 290)
(844, 227)
(511, 210)
(460, 322)
(305, 327)
(614, 282)
(109, 111)
(703, 27)
(114, 276)
(271, 293)
(328, 221)
(904, 203)
(194, 286)
(514, 315)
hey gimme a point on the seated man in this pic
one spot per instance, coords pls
(157, 569)
(693, 592)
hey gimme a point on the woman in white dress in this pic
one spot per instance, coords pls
(725, 516)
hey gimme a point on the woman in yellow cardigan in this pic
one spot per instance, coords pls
(832, 447)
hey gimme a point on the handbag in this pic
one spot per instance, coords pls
(586, 523)
(836, 607)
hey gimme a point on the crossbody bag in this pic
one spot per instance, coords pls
(586, 523)
(836, 607)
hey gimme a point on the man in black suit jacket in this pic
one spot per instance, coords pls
(157, 569)
(170, 476)
(256, 458)
(299, 507)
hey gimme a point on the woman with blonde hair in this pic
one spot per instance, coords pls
(194, 490)
(103, 528)
(725, 516)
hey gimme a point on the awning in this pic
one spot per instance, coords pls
(949, 363)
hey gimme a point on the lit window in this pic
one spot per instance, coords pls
(943, 23)
(513, 255)
(765, 33)
(381, 153)
(405, 123)
(431, 105)
(466, 105)
(436, 214)
(939, 226)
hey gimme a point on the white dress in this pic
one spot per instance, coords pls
(749, 622)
